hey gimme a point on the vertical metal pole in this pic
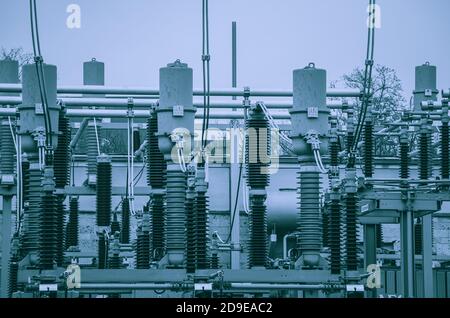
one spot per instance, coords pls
(407, 251)
(370, 252)
(6, 244)
(234, 179)
(233, 56)
(427, 224)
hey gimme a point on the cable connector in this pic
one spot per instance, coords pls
(206, 57)
(38, 59)
(312, 138)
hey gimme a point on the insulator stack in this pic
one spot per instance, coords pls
(349, 141)
(92, 150)
(176, 217)
(103, 248)
(190, 231)
(115, 225)
(62, 154)
(418, 238)
(158, 226)
(258, 249)
(7, 152)
(351, 230)
(48, 231)
(425, 153)
(32, 193)
(368, 149)
(114, 259)
(309, 226)
(214, 261)
(257, 149)
(325, 227)
(143, 247)
(157, 167)
(379, 232)
(334, 154)
(13, 274)
(404, 158)
(335, 234)
(60, 240)
(445, 151)
(72, 224)
(125, 231)
(103, 191)
(201, 231)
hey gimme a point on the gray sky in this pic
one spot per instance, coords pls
(136, 37)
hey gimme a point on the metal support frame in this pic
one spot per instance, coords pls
(370, 249)
(427, 262)
(407, 252)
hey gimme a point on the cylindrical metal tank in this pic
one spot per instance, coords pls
(31, 109)
(93, 72)
(426, 85)
(309, 111)
(9, 72)
(176, 110)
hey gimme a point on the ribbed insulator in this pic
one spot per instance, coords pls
(48, 231)
(60, 244)
(325, 228)
(368, 150)
(31, 234)
(103, 193)
(143, 250)
(158, 226)
(379, 232)
(92, 149)
(349, 141)
(309, 225)
(404, 160)
(334, 153)
(125, 231)
(103, 250)
(13, 275)
(215, 261)
(445, 151)
(201, 231)
(418, 238)
(115, 226)
(175, 218)
(351, 232)
(425, 151)
(157, 167)
(257, 244)
(190, 235)
(72, 225)
(257, 143)
(25, 179)
(114, 261)
(335, 236)
(62, 154)
(7, 149)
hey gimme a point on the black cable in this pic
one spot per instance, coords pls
(206, 72)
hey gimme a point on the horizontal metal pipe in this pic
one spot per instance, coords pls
(263, 286)
(94, 89)
(407, 180)
(141, 102)
(124, 286)
(7, 112)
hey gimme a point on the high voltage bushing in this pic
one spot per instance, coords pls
(368, 147)
(156, 172)
(114, 259)
(351, 204)
(335, 232)
(62, 154)
(350, 130)
(257, 162)
(103, 248)
(418, 237)
(309, 226)
(103, 190)
(143, 247)
(115, 225)
(201, 221)
(92, 152)
(158, 226)
(7, 152)
(13, 266)
(425, 151)
(404, 156)
(125, 231)
(32, 193)
(190, 225)
(379, 233)
(72, 224)
(60, 240)
(445, 142)
(48, 233)
(176, 217)
(325, 225)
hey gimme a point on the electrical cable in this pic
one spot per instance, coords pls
(205, 72)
